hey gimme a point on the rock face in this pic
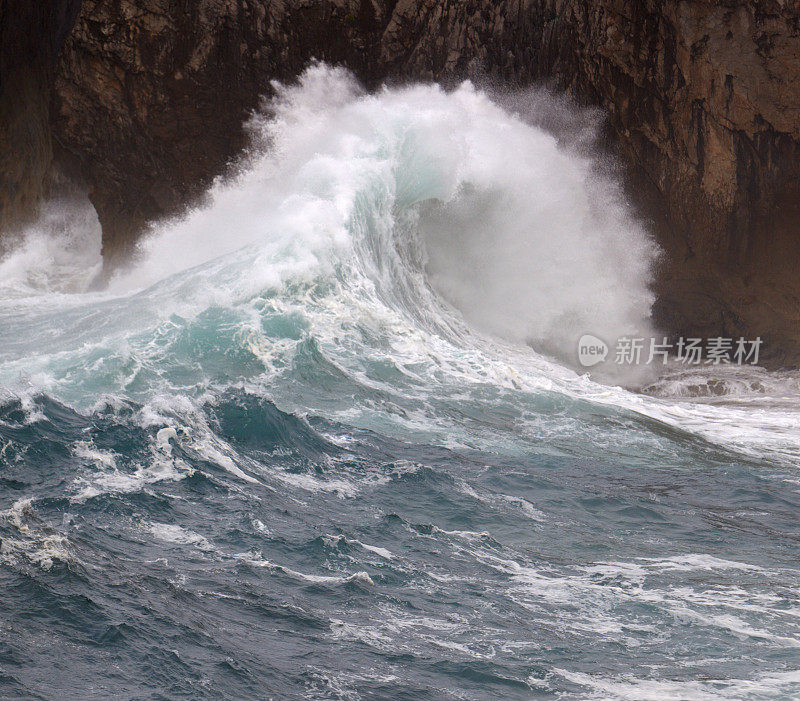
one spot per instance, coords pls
(31, 35)
(703, 98)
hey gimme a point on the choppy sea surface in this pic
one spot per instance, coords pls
(325, 439)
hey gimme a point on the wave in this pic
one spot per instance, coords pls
(417, 262)
(59, 253)
(418, 190)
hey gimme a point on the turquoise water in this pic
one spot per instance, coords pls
(325, 438)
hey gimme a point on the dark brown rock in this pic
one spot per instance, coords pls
(31, 35)
(704, 103)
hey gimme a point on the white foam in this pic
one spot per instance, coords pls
(60, 252)
(208, 447)
(779, 684)
(105, 477)
(256, 560)
(172, 533)
(37, 543)
(342, 488)
(506, 502)
(381, 552)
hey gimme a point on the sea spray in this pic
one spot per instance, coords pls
(526, 238)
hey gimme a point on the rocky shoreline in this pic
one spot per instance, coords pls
(145, 103)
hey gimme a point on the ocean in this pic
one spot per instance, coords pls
(326, 438)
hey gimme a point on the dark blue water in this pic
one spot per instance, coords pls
(394, 571)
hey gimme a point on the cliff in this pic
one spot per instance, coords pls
(31, 36)
(704, 104)
(702, 96)
(151, 96)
